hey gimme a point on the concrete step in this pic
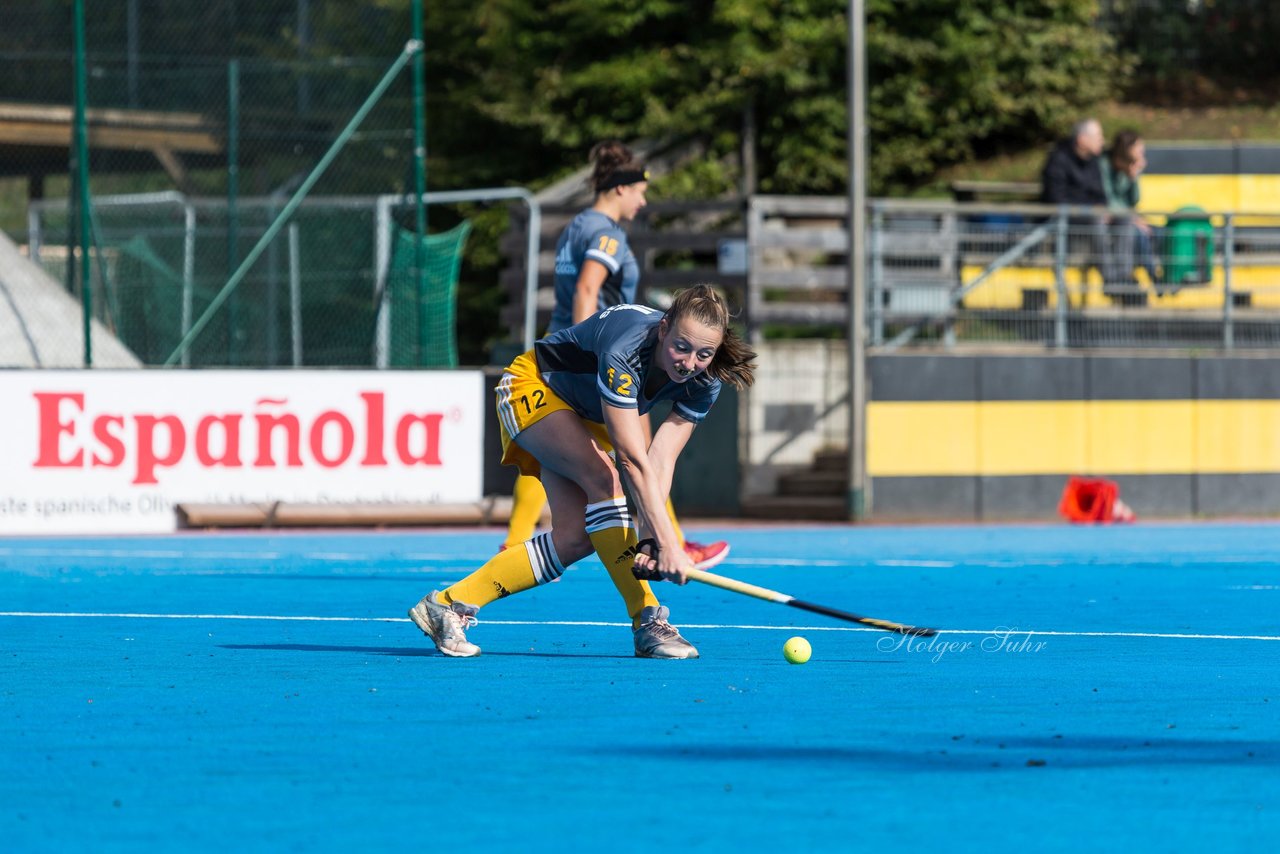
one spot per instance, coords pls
(798, 508)
(831, 481)
(831, 460)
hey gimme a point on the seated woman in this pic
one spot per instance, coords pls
(1131, 233)
(570, 413)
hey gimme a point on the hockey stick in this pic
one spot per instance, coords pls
(768, 595)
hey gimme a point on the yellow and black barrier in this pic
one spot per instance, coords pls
(995, 437)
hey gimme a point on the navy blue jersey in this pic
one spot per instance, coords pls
(594, 236)
(608, 357)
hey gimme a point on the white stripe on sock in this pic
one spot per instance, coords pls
(608, 514)
(542, 554)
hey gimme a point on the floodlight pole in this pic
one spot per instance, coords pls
(856, 504)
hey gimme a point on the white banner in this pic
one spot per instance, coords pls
(114, 451)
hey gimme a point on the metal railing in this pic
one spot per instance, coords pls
(945, 272)
(163, 258)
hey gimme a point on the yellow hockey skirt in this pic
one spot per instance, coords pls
(523, 400)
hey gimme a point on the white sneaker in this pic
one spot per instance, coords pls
(656, 638)
(446, 625)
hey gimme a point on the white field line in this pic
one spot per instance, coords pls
(456, 560)
(177, 554)
(1002, 631)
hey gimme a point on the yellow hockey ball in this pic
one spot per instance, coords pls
(797, 650)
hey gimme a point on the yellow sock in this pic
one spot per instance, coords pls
(613, 535)
(510, 571)
(675, 523)
(527, 502)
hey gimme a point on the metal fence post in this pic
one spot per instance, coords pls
(1228, 258)
(295, 294)
(35, 234)
(381, 289)
(1060, 279)
(83, 199)
(877, 275)
(420, 184)
(755, 266)
(188, 272)
(233, 213)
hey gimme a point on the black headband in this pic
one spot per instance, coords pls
(623, 177)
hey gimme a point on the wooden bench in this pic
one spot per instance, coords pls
(988, 191)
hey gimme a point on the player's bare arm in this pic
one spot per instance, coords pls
(649, 484)
(666, 446)
(586, 297)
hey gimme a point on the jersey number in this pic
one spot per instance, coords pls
(624, 383)
(539, 401)
(608, 244)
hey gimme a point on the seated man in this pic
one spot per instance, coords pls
(1072, 175)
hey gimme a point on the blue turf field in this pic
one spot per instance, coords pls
(203, 692)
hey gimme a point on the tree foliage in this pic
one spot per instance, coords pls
(946, 78)
(520, 89)
(951, 78)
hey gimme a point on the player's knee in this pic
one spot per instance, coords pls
(572, 544)
(600, 483)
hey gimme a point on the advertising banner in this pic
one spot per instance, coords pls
(113, 451)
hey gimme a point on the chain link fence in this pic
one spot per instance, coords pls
(213, 95)
(202, 123)
(337, 287)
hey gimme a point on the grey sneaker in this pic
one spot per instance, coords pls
(656, 638)
(446, 625)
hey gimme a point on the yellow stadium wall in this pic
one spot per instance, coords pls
(1213, 193)
(989, 437)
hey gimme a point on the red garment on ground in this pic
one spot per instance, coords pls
(1097, 500)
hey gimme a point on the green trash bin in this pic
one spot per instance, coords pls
(1188, 249)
